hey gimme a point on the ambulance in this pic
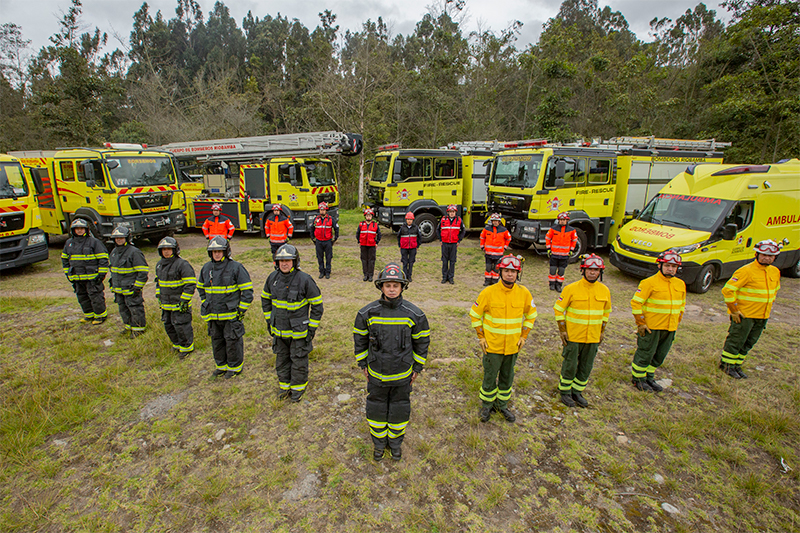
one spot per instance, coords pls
(713, 215)
(22, 242)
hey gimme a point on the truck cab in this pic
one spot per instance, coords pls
(22, 241)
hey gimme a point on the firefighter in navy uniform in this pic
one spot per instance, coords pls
(128, 276)
(450, 231)
(408, 240)
(292, 306)
(175, 284)
(560, 240)
(278, 228)
(391, 338)
(368, 235)
(226, 293)
(218, 224)
(85, 263)
(324, 233)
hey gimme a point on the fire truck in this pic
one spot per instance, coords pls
(601, 185)
(246, 174)
(127, 185)
(22, 242)
(425, 182)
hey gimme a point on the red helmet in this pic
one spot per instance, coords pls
(323, 205)
(510, 262)
(276, 207)
(496, 216)
(563, 216)
(669, 257)
(216, 206)
(369, 211)
(452, 207)
(593, 261)
(410, 215)
(767, 247)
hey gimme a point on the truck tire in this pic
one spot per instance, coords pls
(580, 249)
(516, 244)
(704, 279)
(792, 271)
(427, 227)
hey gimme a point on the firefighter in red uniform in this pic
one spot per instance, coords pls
(560, 240)
(408, 240)
(368, 236)
(278, 228)
(450, 231)
(218, 225)
(324, 233)
(495, 238)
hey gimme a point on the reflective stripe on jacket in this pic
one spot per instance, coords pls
(561, 240)
(278, 228)
(451, 230)
(128, 269)
(323, 228)
(368, 233)
(494, 240)
(292, 304)
(585, 307)
(661, 301)
(220, 226)
(503, 313)
(225, 288)
(175, 282)
(84, 258)
(408, 237)
(753, 288)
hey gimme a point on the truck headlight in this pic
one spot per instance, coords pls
(686, 249)
(36, 239)
(124, 224)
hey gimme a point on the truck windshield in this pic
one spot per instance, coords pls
(12, 184)
(380, 169)
(320, 173)
(142, 171)
(698, 213)
(516, 170)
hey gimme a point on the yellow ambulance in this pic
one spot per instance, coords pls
(713, 215)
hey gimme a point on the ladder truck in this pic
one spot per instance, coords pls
(246, 175)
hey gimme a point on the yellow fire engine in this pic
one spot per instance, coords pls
(601, 185)
(247, 173)
(21, 240)
(118, 185)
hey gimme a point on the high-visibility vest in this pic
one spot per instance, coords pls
(494, 240)
(502, 313)
(368, 233)
(220, 226)
(450, 229)
(279, 228)
(585, 307)
(753, 288)
(661, 301)
(323, 228)
(560, 240)
(407, 236)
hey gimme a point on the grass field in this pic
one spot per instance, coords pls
(102, 433)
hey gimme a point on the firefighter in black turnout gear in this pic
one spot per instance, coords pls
(175, 284)
(226, 293)
(128, 276)
(292, 306)
(391, 338)
(85, 263)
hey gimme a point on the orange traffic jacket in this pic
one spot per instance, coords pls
(494, 240)
(278, 228)
(220, 226)
(560, 240)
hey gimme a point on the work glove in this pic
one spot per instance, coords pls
(311, 333)
(602, 332)
(562, 331)
(549, 253)
(521, 342)
(736, 315)
(240, 315)
(184, 307)
(641, 327)
(484, 344)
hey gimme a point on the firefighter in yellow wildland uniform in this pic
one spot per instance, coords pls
(502, 317)
(582, 313)
(749, 295)
(658, 305)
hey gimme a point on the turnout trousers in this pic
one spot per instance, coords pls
(179, 330)
(408, 256)
(558, 265)
(324, 256)
(91, 299)
(368, 260)
(741, 339)
(291, 363)
(131, 309)
(388, 412)
(227, 344)
(449, 253)
(491, 273)
(498, 377)
(651, 350)
(577, 365)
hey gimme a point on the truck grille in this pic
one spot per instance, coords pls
(12, 222)
(144, 201)
(512, 205)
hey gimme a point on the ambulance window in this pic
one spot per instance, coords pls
(741, 215)
(444, 168)
(67, 171)
(599, 171)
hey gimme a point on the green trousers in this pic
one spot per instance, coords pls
(498, 376)
(577, 365)
(741, 339)
(651, 350)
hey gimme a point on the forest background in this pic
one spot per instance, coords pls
(588, 76)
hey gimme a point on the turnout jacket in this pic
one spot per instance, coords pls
(225, 288)
(585, 307)
(661, 301)
(753, 288)
(494, 240)
(451, 230)
(368, 233)
(324, 228)
(408, 236)
(500, 314)
(292, 304)
(128, 269)
(560, 240)
(84, 258)
(218, 226)
(175, 282)
(278, 228)
(390, 340)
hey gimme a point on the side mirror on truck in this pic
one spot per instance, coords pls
(88, 171)
(729, 232)
(38, 184)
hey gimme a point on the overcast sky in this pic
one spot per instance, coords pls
(39, 20)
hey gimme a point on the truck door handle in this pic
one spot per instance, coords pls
(280, 197)
(419, 192)
(88, 200)
(572, 202)
(605, 202)
(454, 193)
(749, 242)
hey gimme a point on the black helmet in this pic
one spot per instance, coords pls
(169, 242)
(287, 252)
(219, 243)
(121, 232)
(391, 272)
(79, 223)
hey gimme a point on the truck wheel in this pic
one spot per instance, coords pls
(580, 249)
(703, 280)
(519, 245)
(427, 227)
(793, 271)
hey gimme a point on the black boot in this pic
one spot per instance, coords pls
(397, 454)
(552, 285)
(739, 371)
(730, 370)
(217, 373)
(653, 385)
(642, 385)
(284, 394)
(487, 282)
(566, 399)
(377, 454)
(296, 395)
(558, 286)
(579, 399)
(508, 415)
(365, 277)
(485, 414)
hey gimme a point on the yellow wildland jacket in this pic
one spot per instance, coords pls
(753, 288)
(661, 301)
(503, 313)
(585, 307)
